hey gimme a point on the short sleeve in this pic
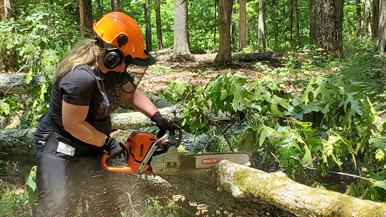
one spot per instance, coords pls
(78, 86)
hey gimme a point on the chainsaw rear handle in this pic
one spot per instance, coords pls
(126, 169)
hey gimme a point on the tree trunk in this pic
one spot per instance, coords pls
(85, 17)
(148, 26)
(234, 41)
(275, 24)
(326, 26)
(382, 28)
(243, 24)
(224, 55)
(7, 10)
(295, 23)
(215, 27)
(313, 19)
(279, 190)
(261, 26)
(115, 5)
(367, 18)
(181, 44)
(375, 18)
(358, 24)
(158, 24)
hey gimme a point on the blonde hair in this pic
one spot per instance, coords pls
(84, 52)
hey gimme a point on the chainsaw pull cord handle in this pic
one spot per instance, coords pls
(129, 170)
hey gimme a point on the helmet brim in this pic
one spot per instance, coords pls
(149, 60)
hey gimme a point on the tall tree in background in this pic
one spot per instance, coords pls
(6, 10)
(375, 18)
(158, 24)
(115, 5)
(358, 25)
(147, 25)
(224, 55)
(382, 28)
(275, 24)
(367, 18)
(295, 34)
(85, 17)
(181, 44)
(261, 26)
(326, 25)
(243, 24)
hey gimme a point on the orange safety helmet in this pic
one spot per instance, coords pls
(122, 31)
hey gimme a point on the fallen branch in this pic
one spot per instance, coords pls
(279, 190)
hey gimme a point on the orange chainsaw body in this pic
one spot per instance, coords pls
(138, 145)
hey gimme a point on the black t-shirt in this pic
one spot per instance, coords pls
(84, 86)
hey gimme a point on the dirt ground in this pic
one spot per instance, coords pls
(158, 76)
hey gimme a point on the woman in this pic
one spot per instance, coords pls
(89, 84)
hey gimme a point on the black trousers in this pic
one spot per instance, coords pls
(69, 186)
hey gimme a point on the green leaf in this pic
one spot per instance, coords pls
(31, 181)
(307, 158)
(4, 108)
(379, 155)
(380, 184)
(265, 132)
(28, 77)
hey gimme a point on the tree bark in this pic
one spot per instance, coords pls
(14, 84)
(326, 26)
(243, 24)
(382, 28)
(261, 26)
(7, 10)
(115, 5)
(158, 24)
(295, 23)
(375, 18)
(313, 20)
(85, 17)
(367, 18)
(181, 44)
(358, 25)
(148, 26)
(275, 24)
(224, 55)
(279, 190)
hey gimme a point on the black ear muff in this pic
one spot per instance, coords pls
(122, 40)
(112, 58)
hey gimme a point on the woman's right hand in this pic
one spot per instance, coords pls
(113, 147)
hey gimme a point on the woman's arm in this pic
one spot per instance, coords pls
(74, 122)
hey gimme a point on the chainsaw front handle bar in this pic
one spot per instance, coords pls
(129, 170)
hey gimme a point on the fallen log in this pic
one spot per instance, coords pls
(14, 83)
(279, 190)
(254, 57)
(20, 142)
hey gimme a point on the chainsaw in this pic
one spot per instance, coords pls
(148, 154)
